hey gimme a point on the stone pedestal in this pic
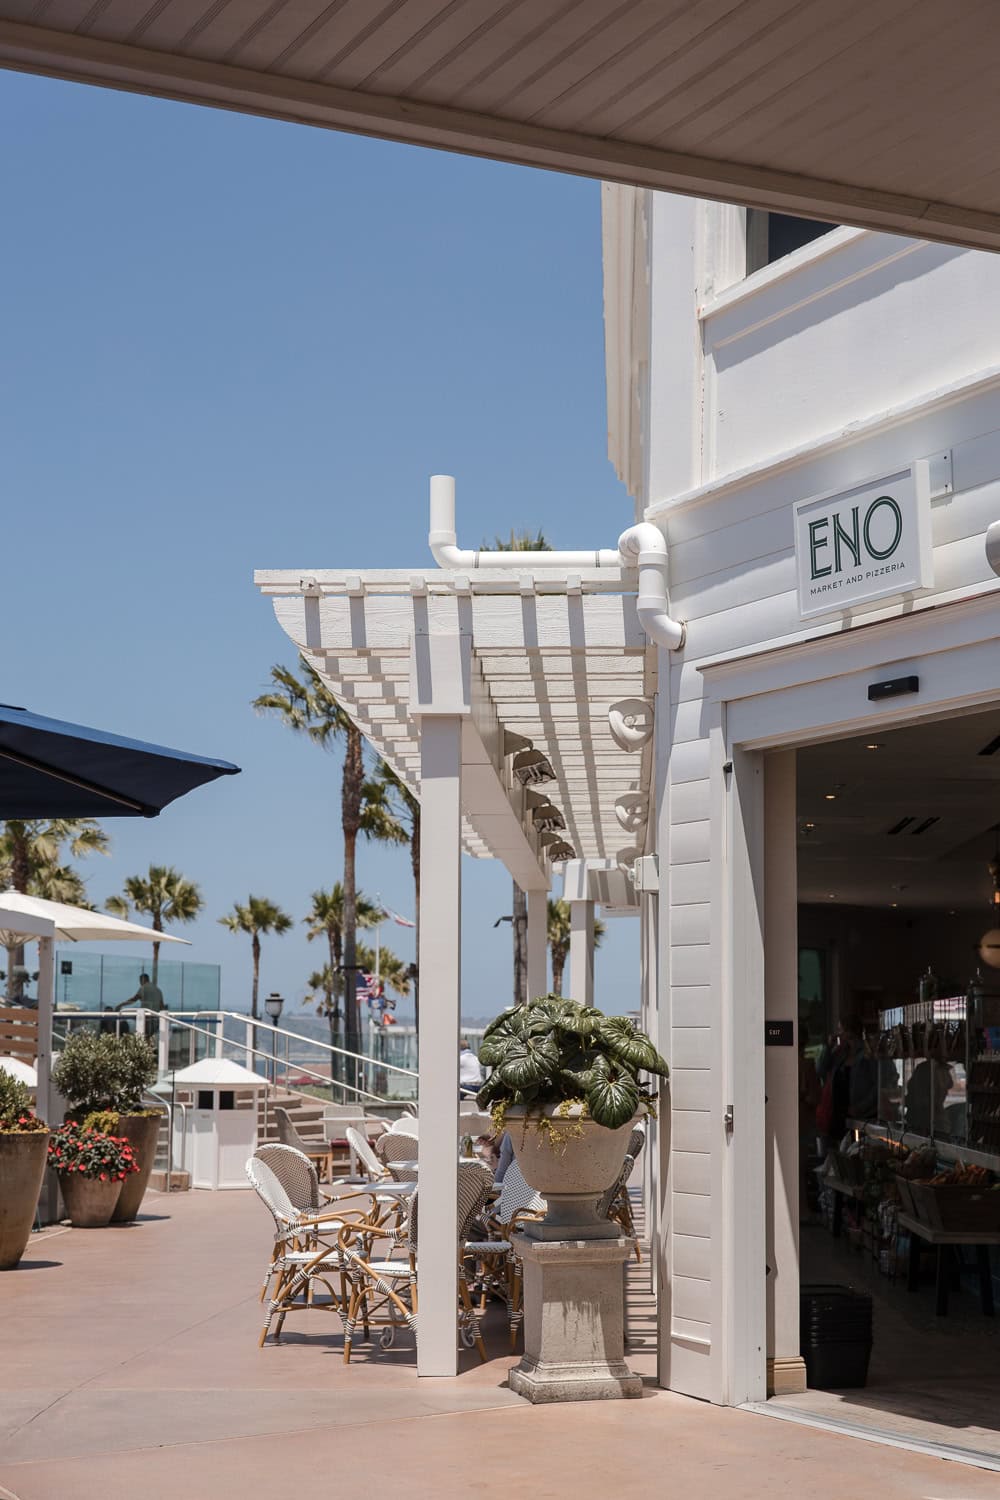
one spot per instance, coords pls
(574, 1321)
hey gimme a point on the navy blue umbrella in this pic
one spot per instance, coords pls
(49, 769)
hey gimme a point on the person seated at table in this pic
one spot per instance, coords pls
(470, 1071)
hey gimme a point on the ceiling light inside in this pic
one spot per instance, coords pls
(532, 768)
(559, 853)
(875, 745)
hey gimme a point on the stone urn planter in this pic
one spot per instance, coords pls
(141, 1132)
(89, 1201)
(571, 1161)
(22, 1168)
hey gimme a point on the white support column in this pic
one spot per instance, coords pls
(538, 952)
(581, 952)
(440, 1021)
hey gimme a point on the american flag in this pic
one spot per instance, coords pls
(394, 915)
(367, 986)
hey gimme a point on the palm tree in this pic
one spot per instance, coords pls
(258, 917)
(326, 919)
(164, 895)
(558, 936)
(31, 861)
(308, 707)
(520, 541)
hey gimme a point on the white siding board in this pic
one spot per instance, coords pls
(691, 1088)
(692, 1172)
(690, 1130)
(692, 1214)
(689, 1328)
(693, 883)
(689, 842)
(690, 802)
(689, 761)
(691, 964)
(688, 724)
(691, 1256)
(692, 1298)
(691, 1047)
(690, 924)
(690, 1005)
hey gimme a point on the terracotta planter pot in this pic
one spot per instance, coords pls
(141, 1132)
(22, 1168)
(89, 1201)
(571, 1174)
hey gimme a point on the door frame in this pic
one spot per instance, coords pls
(808, 693)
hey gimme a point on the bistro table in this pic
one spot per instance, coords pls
(943, 1239)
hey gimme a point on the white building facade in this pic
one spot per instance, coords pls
(860, 372)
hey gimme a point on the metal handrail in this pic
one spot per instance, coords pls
(266, 1057)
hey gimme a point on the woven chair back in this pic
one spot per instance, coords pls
(287, 1134)
(364, 1153)
(296, 1174)
(271, 1193)
(474, 1182)
(393, 1147)
(514, 1194)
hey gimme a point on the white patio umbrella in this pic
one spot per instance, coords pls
(31, 919)
(73, 923)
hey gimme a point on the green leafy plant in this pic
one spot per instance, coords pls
(554, 1051)
(101, 1072)
(17, 1117)
(91, 1152)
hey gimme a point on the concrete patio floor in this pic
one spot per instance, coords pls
(131, 1370)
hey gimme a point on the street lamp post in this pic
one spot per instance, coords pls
(273, 1005)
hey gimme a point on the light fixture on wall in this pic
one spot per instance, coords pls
(632, 811)
(631, 723)
(561, 852)
(532, 768)
(989, 943)
(548, 819)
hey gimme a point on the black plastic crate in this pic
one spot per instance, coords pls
(835, 1330)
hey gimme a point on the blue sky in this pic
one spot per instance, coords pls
(231, 343)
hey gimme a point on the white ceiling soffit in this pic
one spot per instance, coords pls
(882, 115)
(553, 660)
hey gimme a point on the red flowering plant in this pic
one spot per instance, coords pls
(17, 1117)
(106, 1157)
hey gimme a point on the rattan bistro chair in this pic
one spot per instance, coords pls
(306, 1231)
(320, 1156)
(400, 1153)
(616, 1203)
(490, 1246)
(384, 1291)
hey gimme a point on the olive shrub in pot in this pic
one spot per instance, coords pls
(566, 1082)
(103, 1079)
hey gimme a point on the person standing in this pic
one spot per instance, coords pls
(470, 1071)
(148, 995)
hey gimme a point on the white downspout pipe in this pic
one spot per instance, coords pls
(447, 553)
(642, 546)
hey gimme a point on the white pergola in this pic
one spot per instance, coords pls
(446, 674)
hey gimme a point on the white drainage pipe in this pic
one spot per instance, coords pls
(641, 546)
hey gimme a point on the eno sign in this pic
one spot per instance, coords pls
(866, 543)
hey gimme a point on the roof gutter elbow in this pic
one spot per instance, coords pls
(644, 546)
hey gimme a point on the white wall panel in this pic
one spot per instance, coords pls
(692, 1172)
(692, 884)
(689, 843)
(693, 1297)
(690, 1088)
(691, 1129)
(690, 923)
(692, 1047)
(689, 802)
(690, 1005)
(690, 1256)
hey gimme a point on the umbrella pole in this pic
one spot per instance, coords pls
(44, 1096)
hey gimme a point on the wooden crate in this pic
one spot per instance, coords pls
(954, 1208)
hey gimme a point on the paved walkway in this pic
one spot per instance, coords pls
(130, 1372)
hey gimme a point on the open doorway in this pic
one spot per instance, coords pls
(898, 871)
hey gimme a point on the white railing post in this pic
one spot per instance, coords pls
(163, 1043)
(581, 937)
(220, 1035)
